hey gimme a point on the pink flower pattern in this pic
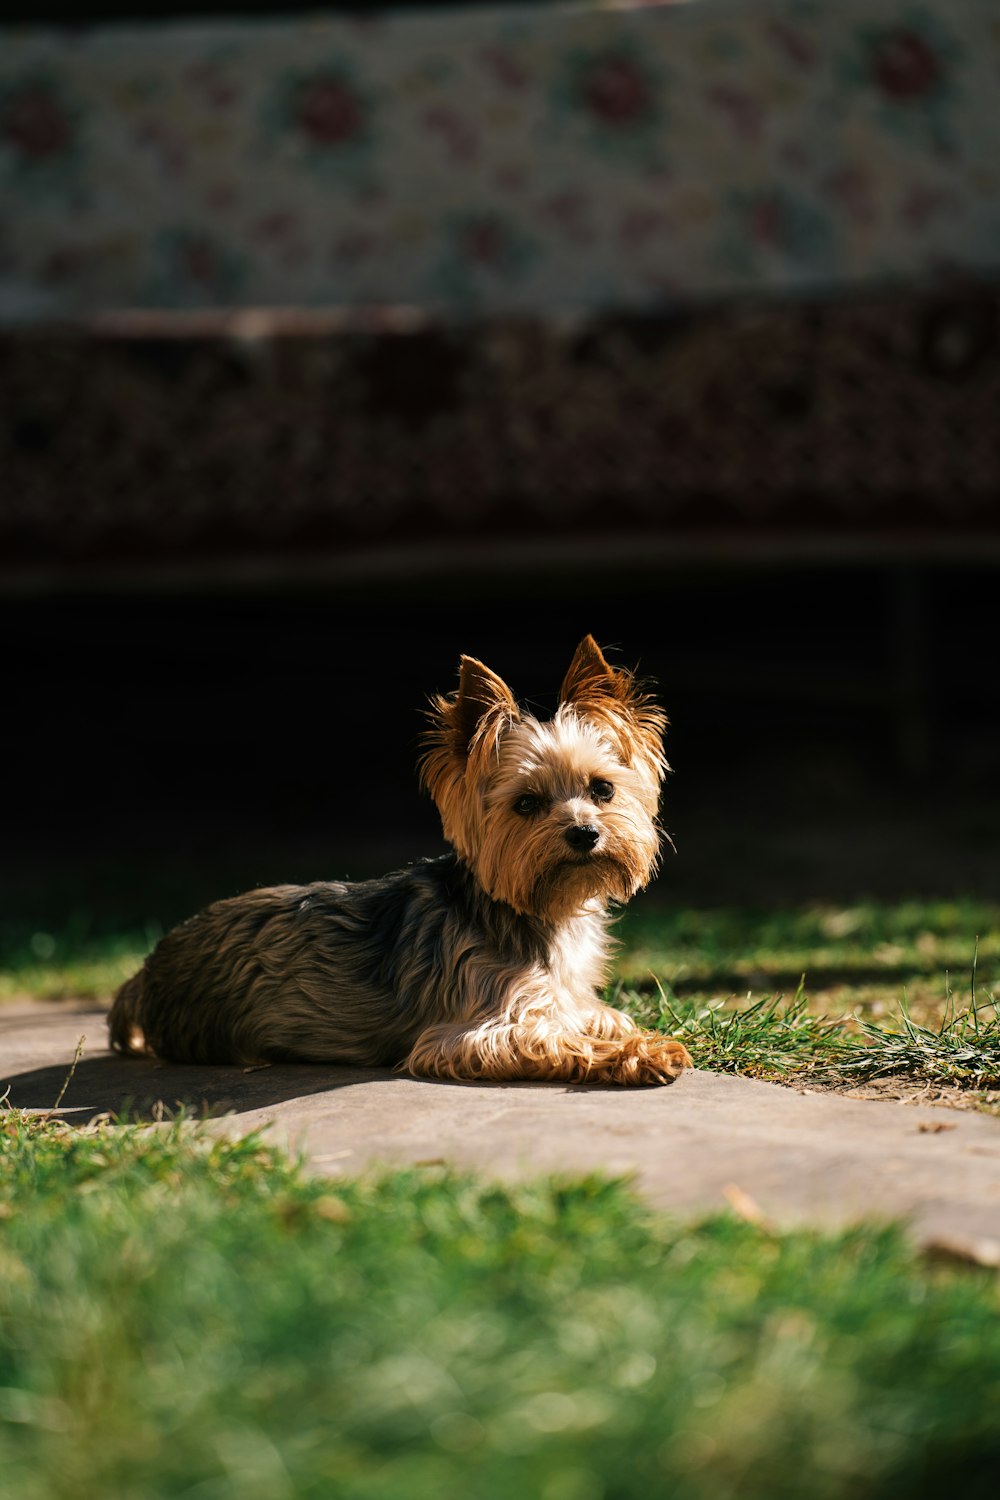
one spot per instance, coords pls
(328, 112)
(617, 92)
(34, 124)
(906, 67)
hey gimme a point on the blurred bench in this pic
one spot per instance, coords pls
(702, 278)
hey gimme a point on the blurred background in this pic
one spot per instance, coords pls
(335, 345)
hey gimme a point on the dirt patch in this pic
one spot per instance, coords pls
(907, 1091)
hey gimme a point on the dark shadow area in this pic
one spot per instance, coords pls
(145, 1089)
(834, 731)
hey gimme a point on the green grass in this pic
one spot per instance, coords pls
(183, 1317)
(84, 956)
(964, 1049)
(785, 1040)
(858, 957)
(851, 995)
(768, 1037)
(186, 1317)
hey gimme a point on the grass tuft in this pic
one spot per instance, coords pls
(964, 1049)
(771, 1037)
(763, 1038)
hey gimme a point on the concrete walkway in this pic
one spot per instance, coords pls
(800, 1157)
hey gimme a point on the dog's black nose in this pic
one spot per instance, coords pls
(582, 836)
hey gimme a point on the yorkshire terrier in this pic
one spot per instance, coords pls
(486, 963)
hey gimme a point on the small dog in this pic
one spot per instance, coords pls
(483, 964)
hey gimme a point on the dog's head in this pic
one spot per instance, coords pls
(549, 815)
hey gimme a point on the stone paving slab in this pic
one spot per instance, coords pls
(801, 1157)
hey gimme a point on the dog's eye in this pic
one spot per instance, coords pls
(602, 791)
(527, 805)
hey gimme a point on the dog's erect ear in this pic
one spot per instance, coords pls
(589, 679)
(481, 694)
(477, 713)
(618, 703)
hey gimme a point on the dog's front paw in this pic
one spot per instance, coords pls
(645, 1058)
(664, 1059)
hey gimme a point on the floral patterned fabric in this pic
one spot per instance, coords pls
(498, 161)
